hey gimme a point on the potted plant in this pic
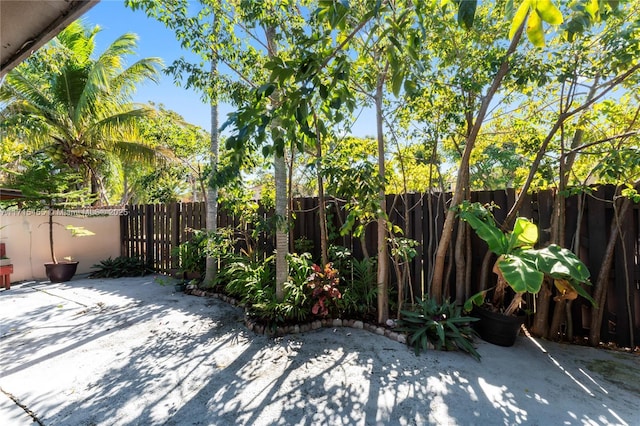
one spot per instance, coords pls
(521, 268)
(47, 187)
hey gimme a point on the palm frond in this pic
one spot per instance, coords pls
(122, 124)
(144, 69)
(19, 86)
(79, 40)
(68, 88)
(136, 152)
(103, 71)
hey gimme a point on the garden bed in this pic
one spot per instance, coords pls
(259, 328)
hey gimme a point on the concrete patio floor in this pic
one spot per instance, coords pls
(133, 352)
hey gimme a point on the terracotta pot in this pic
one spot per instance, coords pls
(495, 327)
(60, 272)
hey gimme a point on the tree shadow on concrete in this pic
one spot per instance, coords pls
(198, 365)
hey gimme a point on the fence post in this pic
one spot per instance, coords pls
(124, 232)
(175, 232)
(148, 217)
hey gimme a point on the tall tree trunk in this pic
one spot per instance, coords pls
(458, 195)
(282, 228)
(558, 225)
(461, 263)
(281, 214)
(383, 257)
(460, 249)
(212, 191)
(559, 317)
(322, 204)
(602, 283)
(292, 154)
(540, 320)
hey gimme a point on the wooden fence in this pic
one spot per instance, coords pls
(151, 231)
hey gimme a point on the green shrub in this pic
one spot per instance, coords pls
(192, 255)
(293, 309)
(249, 280)
(121, 266)
(442, 325)
(296, 306)
(341, 257)
(359, 293)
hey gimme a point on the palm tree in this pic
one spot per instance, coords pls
(78, 109)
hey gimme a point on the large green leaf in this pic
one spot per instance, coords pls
(525, 233)
(534, 29)
(519, 17)
(486, 229)
(559, 262)
(477, 299)
(466, 13)
(549, 12)
(521, 274)
(582, 292)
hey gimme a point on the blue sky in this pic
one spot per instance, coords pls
(156, 40)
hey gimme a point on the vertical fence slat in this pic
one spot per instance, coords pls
(148, 249)
(624, 279)
(597, 232)
(415, 227)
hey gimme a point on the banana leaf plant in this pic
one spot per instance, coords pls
(520, 266)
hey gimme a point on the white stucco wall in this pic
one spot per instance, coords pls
(26, 238)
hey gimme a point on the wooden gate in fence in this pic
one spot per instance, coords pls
(152, 231)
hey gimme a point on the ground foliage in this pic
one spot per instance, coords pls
(442, 325)
(120, 266)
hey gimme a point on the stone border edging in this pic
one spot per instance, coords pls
(301, 328)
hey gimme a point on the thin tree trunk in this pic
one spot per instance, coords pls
(429, 248)
(559, 316)
(461, 262)
(281, 214)
(484, 270)
(602, 283)
(212, 191)
(558, 219)
(447, 229)
(576, 243)
(541, 319)
(282, 231)
(383, 258)
(363, 245)
(467, 281)
(292, 243)
(322, 212)
(399, 276)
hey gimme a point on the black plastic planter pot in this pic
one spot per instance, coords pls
(60, 272)
(497, 328)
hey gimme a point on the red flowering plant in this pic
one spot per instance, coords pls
(324, 287)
